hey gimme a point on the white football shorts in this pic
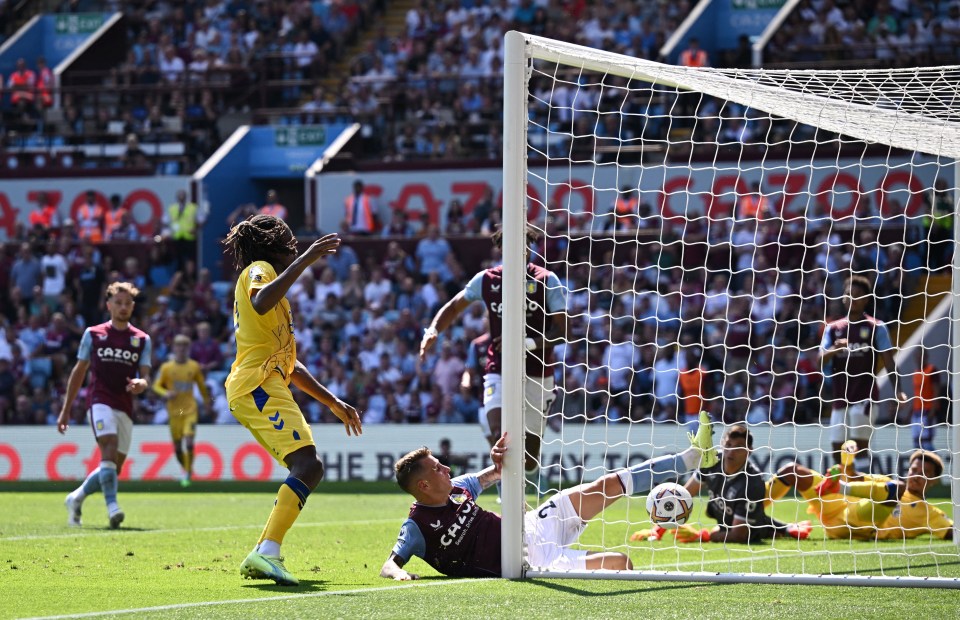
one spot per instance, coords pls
(851, 422)
(106, 420)
(538, 396)
(548, 533)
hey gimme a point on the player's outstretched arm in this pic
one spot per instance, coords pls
(271, 294)
(77, 375)
(445, 317)
(393, 569)
(350, 417)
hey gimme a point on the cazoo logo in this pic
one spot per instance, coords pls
(497, 307)
(117, 354)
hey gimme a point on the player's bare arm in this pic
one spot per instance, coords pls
(271, 294)
(393, 569)
(77, 375)
(303, 379)
(445, 317)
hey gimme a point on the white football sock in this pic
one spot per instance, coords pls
(269, 547)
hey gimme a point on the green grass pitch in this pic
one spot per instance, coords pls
(179, 553)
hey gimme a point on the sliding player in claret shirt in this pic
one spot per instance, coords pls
(736, 489)
(265, 251)
(174, 384)
(868, 506)
(118, 356)
(546, 326)
(449, 531)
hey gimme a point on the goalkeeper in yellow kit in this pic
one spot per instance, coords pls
(174, 384)
(858, 506)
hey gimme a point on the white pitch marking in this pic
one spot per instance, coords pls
(226, 528)
(242, 601)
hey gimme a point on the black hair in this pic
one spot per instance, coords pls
(259, 237)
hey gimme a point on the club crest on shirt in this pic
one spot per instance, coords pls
(134, 341)
(458, 499)
(101, 336)
(531, 287)
(864, 332)
(256, 276)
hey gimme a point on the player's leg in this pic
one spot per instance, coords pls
(187, 448)
(790, 476)
(858, 419)
(276, 422)
(89, 486)
(113, 430)
(608, 560)
(591, 498)
(538, 398)
(838, 430)
(176, 436)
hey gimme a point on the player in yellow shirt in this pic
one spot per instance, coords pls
(175, 385)
(265, 251)
(858, 506)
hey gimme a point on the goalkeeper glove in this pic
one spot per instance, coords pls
(689, 534)
(830, 484)
(648, 535)
(800, 531)
(848, 453)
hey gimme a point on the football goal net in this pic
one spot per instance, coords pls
(773, 247)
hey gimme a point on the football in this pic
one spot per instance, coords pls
(669, 505)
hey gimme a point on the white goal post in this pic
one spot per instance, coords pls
(895, 133)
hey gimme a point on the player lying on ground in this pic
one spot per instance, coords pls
(448, 530)
(736, 499)
(258, 386)
(867, 506)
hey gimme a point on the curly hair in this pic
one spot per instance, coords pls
(259, 237)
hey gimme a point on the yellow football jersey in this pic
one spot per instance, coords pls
(180, 378)
(265, 342)
(915, 517)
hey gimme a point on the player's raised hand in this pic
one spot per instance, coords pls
(323, 246)
(497, 452)
(349, 416)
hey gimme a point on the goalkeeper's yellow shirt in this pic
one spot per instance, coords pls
(914, 517)
(264, 341)
(180, 378)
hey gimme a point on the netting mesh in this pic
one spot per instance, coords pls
(704, 247)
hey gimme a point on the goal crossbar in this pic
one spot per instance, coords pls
(794, 96)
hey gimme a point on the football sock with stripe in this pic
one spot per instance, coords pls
(90, 486)
(877, 491)
(776, 488)
(644, 476)
(290, 501)
(108, 481)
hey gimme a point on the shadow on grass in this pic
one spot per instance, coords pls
(620, 591)
(306, 585)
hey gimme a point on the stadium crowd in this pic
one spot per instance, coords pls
(649, 336)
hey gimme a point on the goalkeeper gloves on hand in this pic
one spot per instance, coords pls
(648, 535)
(800, 531)
(689, 534)
(830, 484)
